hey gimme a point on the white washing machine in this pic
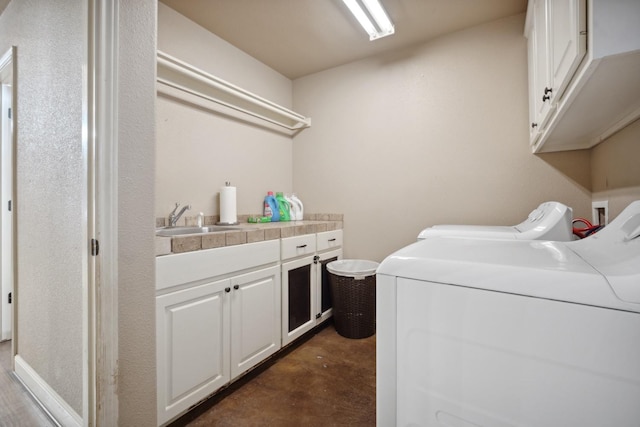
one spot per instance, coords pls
(499, 333)
(549, 221)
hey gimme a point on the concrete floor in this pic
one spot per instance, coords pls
(328, 380)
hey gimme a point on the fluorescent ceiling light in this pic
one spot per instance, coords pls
(372, 17)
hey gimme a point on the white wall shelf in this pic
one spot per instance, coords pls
(187, 83)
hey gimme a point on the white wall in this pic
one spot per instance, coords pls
(50, 185)
(432, 134)
(198, 150)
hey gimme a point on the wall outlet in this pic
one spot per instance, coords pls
(600, 212)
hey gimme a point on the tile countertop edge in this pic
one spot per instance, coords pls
(248, 233)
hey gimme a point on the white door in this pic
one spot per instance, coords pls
(298, 298)
(543, 91)
(6, 195)
(568, 42)
(324, 304)
(192, 333)
(255, 318)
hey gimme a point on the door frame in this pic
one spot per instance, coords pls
(8, 65)
(100, 137)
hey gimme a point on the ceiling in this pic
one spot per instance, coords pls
(301, 37)
(3, 5)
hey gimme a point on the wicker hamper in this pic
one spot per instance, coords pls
(353, 292)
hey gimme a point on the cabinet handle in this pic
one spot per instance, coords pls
(534, 125)
(548, 90)
(301, 246)
(227, 289)
(236, 287)
(332, 240)
(545, 98)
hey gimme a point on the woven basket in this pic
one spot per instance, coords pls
(354, 305)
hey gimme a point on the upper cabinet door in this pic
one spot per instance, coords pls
(542, 82)
(567, 41)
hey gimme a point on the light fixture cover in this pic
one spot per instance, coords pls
(371, 15)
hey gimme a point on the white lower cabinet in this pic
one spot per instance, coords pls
(323, 288)
(306, 297)
(211, 331)
(220, 312)
(193, 339)
(255, 318)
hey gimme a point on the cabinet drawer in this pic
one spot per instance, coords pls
(297, 246)
(178, 269)
(329, 240)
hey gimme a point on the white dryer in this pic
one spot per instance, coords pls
(498, 333)
(549, 221)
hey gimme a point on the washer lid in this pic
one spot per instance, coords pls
(541, 269)
(615, 252)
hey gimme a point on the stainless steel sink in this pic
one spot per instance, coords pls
(179, 231)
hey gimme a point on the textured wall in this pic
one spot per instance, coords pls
(197, 150)
(432, 134)
(50, 187)
(615, 172)
(136, 264)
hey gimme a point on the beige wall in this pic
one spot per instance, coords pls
(50, 37)
(136, 246)
(432, 134)
(50, 188)
(615, 173)
(198, 150)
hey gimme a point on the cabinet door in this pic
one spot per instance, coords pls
(324, 308)
(192, 332)
(298, 298)
(534, 127)
(568, 41)
(255, 318)
(542, 97)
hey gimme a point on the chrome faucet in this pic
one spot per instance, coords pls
(173, 217)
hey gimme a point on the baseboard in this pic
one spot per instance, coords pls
(57, 408)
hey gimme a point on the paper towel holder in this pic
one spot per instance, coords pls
(234, 215)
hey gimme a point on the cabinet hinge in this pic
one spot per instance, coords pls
(95, 247)
(9, 113)
(9, 205)
(9, 298)
(319, 315)
(316, 258)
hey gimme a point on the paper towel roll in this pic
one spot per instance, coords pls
(228, 214)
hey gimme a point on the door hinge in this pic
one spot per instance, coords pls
(9, 205)
(95, 247)
(9, 298)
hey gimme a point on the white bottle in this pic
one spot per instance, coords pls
(299, 207)
(293, 208)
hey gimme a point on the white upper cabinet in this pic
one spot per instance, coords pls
(539, 55)
(556, 32)
(567, 40)
(584, 71)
